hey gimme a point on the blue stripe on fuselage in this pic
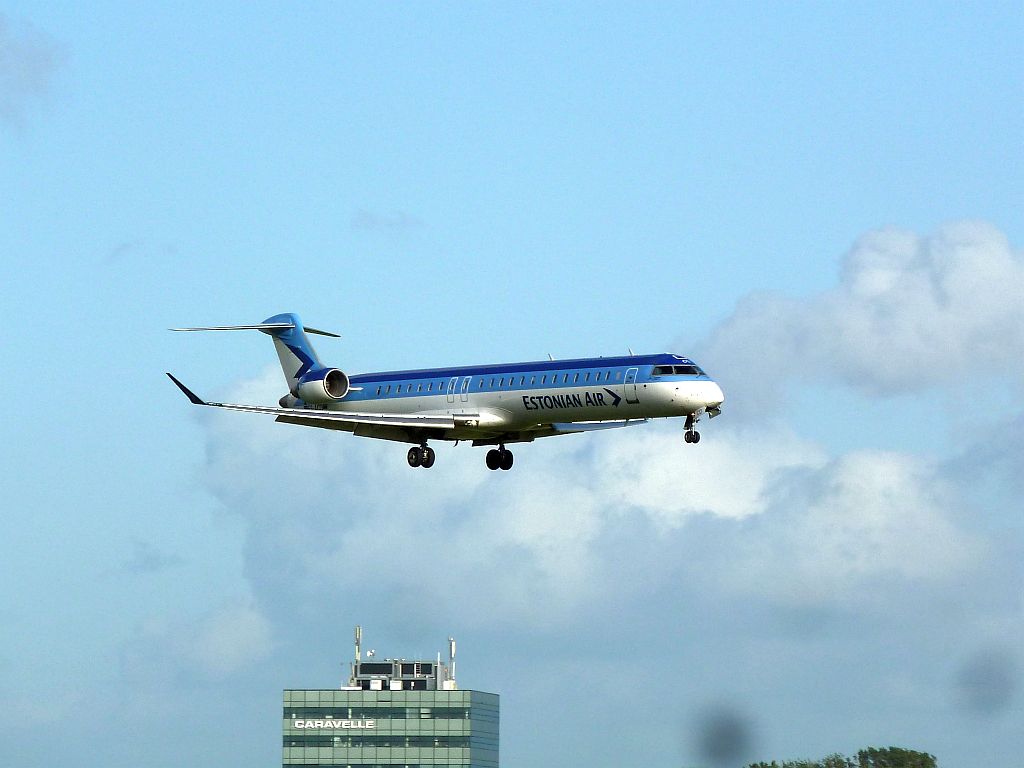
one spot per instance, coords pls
(414, 382)
(539, 366)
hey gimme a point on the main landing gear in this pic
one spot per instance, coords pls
(691, 435)
(421, 456)
(499, 458)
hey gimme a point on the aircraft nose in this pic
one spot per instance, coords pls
(714, 396)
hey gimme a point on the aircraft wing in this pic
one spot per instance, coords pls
(329, 419)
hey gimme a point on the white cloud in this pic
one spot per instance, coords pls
(28, 61)
(842, 532)
(756, 551)
(36, 706)
(215, 645)
(587, 526)
(146, 558)
(229, 639)
(909, 312)
(727, 475)
(571, 525)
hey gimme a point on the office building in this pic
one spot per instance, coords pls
(404, 713)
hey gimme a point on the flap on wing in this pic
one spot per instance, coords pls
(564, 428)
(321, 418)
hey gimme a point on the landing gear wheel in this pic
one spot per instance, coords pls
(414, 457)
(506, 460)
(427, 459)
(696, 437)
(688, 437)
(493, 459)
(691, 436)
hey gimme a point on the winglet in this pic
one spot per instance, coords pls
(192, 396)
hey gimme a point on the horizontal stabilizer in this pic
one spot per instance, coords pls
(258, 327)
(255, 327)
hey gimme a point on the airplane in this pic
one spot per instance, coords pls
(490, 405)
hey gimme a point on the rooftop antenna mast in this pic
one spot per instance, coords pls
(354, 665)
(451, 655)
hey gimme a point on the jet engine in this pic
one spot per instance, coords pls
(321, 387)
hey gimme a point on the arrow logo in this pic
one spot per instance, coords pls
(307, 361)
(615, 397)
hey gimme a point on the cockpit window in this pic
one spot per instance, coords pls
(662, 370)
(688, 370)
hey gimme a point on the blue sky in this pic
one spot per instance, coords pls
(822, 204)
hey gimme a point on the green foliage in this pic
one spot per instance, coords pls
(836, 761)
(872, 757)
(894, 757)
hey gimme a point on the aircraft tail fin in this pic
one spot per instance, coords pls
(294, 350)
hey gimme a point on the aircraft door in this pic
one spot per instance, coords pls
(630, 386)
(464, 392)
(452, 383)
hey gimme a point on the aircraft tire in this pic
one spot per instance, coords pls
(493, 459)
(696, 437)
(688, 436)
(428, 457)
(414, 457)
(506, 459)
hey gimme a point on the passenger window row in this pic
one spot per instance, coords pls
(509, 382)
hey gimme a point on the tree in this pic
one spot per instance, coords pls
(894, 757)
(837, 761)
(872, 757)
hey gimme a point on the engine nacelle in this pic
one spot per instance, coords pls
(320, 387)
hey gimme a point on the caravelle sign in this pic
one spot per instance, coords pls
(300, 724)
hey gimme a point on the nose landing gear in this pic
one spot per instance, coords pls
(421, 456)
(691, 435)
(499, 458)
